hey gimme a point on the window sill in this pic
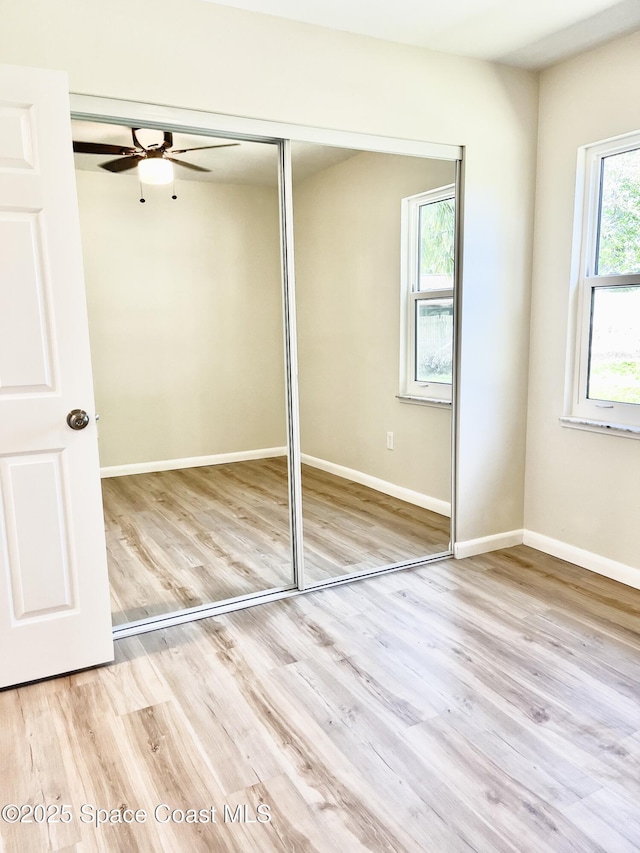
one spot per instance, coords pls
(424, 401)
(603, 427)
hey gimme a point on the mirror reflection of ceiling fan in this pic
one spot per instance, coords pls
(154, 161)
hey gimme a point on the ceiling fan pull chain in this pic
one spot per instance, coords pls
(142, 198)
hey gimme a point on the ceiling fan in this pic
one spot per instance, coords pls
(153, 161)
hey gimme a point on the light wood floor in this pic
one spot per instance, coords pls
(487, 704)
(179, 539)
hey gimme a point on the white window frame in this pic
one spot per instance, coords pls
(605, 415)
(436, 393)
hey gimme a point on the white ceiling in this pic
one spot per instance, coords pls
(530, 33)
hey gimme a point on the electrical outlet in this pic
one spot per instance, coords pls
(389, 441)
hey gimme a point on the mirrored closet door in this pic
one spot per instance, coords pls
(186, 322)
(273, 330)
(374, 272)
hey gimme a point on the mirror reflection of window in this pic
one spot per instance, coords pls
(428, 244)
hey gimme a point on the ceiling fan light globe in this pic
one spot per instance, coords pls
(155, 170)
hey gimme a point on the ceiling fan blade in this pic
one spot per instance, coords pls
(202, 147)
(187, 165)
(122, 163)
(101, 148)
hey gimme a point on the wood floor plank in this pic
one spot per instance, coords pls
(501, 800)
(296, 824)
(97, 768)
(404, 775)
(608, 820)
(524, 753)
(26, 777)
(187, 669)
(133, 687)
(550, 671)
(177, 777)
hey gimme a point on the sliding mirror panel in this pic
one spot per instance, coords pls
(185, 308)
(374, 241)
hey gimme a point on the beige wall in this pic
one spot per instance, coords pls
(347, 252)
(581, 488)
(214, 58)
(185, 317)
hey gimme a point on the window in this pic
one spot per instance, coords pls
(428, 243)
(607, 373)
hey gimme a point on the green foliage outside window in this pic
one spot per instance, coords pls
(619, 242)
(437, 237)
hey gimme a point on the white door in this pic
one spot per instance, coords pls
(54, 592)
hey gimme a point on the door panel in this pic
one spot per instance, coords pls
(17, 138)
(35, 522)
(54, 599)
(25, 362)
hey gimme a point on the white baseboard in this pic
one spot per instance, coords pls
(585, 559)
(408, 495)
(473, 547)
(191, 462)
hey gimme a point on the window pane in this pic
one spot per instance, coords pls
(614, 351)
(618, 250)
(434, 340)
(437, 240)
